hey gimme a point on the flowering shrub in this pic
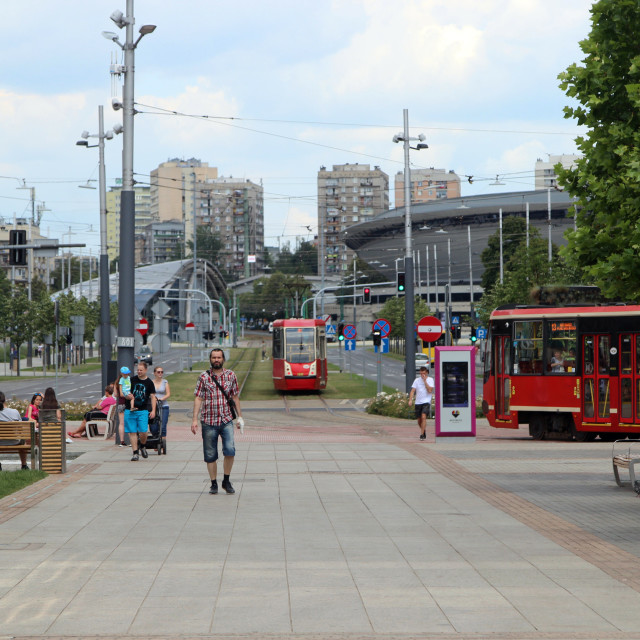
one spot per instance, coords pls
(73, 410)
(393, 405)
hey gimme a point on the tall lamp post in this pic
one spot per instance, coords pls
(126, 283)
(105, 320)
(409, 321)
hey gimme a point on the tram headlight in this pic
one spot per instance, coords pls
(312, 368)
(287, 369)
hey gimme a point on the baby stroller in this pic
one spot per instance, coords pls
(155, 439)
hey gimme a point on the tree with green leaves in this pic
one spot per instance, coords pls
(393, 311)
(605, 182)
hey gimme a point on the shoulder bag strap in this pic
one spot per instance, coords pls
(224, 393)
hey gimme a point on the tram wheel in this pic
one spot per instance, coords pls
(585, 436)
(538, 428)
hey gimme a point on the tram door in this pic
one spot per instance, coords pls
(630, 378)
(502, 358)
(596, 405)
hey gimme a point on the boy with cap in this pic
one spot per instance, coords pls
(124, 385)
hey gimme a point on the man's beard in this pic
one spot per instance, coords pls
(216, 365)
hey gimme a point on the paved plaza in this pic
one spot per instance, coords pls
(343, 526)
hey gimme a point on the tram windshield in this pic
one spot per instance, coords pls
(300, 345)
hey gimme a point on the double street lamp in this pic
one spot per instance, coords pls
(409, 321)
(126, 286)
(105, 298)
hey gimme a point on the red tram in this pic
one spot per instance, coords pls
(569, 371)
(299, 355)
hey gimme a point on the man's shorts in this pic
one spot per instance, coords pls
(210, 435)
(422, 409)
(136, 421)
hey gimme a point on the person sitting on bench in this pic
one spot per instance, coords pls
(7, 414)
(99, 411)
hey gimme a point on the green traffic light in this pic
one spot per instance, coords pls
(341, 337)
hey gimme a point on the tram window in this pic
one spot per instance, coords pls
(278, 346)
(625, 355)
(625, 396)
(603, 355)
(300, 345)
(561, 346)
(638, 354)
(527, 347)
(589, 355)
(322, 343)
(637, 399)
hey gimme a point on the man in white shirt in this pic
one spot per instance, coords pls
(422, 391)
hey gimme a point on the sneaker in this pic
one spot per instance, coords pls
(227, 486)
(134, 457)
(69, 441)
(123, 444)
(423, 436)
(24, 467)
(143, 451)
(214, 487)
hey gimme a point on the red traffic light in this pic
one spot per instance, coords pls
(366, 295)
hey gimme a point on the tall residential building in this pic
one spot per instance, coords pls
(427, 184)
(234, 209)
(143, 217)
(545, 171)
(348, 194)
(172, 186)
(40, 267)
(164, 242)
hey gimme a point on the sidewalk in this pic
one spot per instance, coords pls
(343, 525)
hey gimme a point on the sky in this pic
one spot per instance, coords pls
(272, 91)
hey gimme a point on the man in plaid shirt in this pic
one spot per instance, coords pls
(216, 417)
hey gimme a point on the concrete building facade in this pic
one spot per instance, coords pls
(545, 173)
(348, 194)
(427, 184)
(143, 217)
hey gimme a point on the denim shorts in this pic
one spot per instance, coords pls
(210, 435)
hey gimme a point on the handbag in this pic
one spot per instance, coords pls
(231, 403)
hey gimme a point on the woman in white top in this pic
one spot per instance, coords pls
(163, 392)
(7, 414)
(422, 390)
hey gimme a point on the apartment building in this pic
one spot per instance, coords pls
(427, 184)
(545, 173)
(164, 241)
(347, 194)
(143, 217)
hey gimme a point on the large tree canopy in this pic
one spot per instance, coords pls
(605, 182)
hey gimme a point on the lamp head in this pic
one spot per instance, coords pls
(82, 143)
(119, 19)
(117, 128)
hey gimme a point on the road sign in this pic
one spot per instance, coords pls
(429, 329)
(350, 345)
(111, 338)
(143, 326)
(455, 320)
(349, 332)
(160, 343)
(481, 333)
(382, 326)
(384, 346)
(190, 326)
(331, 330)
(160, 308)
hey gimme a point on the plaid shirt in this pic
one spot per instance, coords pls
(215, 408)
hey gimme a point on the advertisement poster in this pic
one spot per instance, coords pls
(455, 392)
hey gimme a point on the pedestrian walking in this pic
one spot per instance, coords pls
(216, 401)
(422, 390)
(136, 419)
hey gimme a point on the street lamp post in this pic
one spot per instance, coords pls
(409, 321)
(126, 284)
(105, 320)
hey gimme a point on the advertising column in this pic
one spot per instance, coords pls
(455, 392)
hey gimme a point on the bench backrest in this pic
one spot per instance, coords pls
(23, 430)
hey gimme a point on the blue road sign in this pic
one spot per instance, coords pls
(382, 326)
(349, 345)
(455, 320)
(481, 333)
(384, 346)
(331, 330)
(349, 332)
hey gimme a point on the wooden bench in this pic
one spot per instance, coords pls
(18, 436)
(109, 422)
(628, 459)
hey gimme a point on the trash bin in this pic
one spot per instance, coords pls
(52, 442)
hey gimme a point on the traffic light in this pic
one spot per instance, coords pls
(17, 257)
(474, 337)
(69, 337)
(456, 332)
(377, 338)
(341, 331)
(400, 281)
(366, 295)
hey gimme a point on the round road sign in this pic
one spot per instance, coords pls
(143, 326)
(429, 329)
(349, 331)
(382, 326)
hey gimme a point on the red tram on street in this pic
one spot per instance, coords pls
(571, 372)
(299, 355)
